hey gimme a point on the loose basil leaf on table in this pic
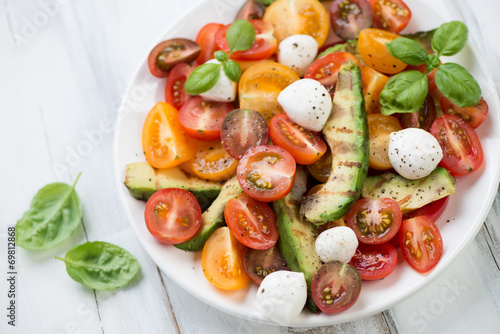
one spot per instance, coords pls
(55, 213)
(232, 70)
(408, 51)
(450, 38)
(404, 93)
(240, 36)
(202, 79)
(100, 265)
(457, 84)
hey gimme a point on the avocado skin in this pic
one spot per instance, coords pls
(297, 237)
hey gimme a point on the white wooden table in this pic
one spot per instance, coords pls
(64, 65)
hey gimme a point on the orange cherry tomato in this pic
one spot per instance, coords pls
(373, 83)
(371, 45)
(260, 86)
(322, 168)
(307, 17)
(163, 141)
(212, 162)
(379, 128)
(222, 261)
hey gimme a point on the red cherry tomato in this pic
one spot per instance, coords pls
(391, 15)
(375, 261)
(266, 173)
(305, 146)
(474, 115)
(172, 215)
(433, 210)
(421, 243)
(462, 151)
(169, 53)
(349, 17)
(374, 221)
(201, 119)
(260, 263)
(174, 88)
(264, 46)
(206, 40)
(252, 222)
(336, 287)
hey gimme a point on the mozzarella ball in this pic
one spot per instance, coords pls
(298, 52)
(307, 103)
(224, 90)
(282, 296)
(338, 243)
(414, 153)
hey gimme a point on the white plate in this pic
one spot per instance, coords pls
(463, 217)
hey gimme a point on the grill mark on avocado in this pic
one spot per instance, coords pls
(350, 164)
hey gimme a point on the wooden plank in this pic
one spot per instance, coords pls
(374, 324)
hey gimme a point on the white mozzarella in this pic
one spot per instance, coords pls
(298, 52)
(224, 90)
(338, 243)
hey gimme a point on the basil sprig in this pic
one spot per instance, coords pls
(240, 37)
(405, 93)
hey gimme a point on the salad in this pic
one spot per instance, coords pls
(240, 201)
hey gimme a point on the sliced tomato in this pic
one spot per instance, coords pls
(373, 83)
(164, 142)
(336, 287)
(243, 129)
(322, 168)
(260, 263)
(305, 146)
(307, 17)
(349, 17)
(462, 150)
(371, 45)
(374, 221)
(474, 115)
(175, 94)
(246, 64)
(325, 69)
(330, 224)
(263, 47)
(379, 128)
(421, 243)
(251, 10)
(391, 15)
(169, 53)
(375, 261)
(222, 261)
(202, 119)
(433, 210)
(266, 173)
(172, 215)
(206, 40)
(423, 118)
(252, 222)
(212, 162)
(260, 86)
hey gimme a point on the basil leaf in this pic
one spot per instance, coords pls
(240, 35)
(450, 38)
(100, 265)
(221, 56)
(457, 84)
(232, 70)
(404, 93)
(202, 78)
(433, 61)
(54, 214)
(408, 51)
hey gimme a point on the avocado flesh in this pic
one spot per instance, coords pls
(297, 237)
(410, 194)
(143, 181)
(346, 132)
(213, 218)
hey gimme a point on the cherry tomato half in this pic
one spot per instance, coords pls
(305, 146)
(260, 263)
(375, 261)
(202, 119)
(263, 47)
(421, 243)
(266, 173)
(371, 45)
(168, 53)
(462, 151)
(206, 40)
(172, 215)
(374, 221)
(322, 168)
(336, 287)
(433, 210)
(379, 128)
(349, 17)
(423, 118)
(175, 94)
(212, 162)
(251, 10)
(474, 115)
(391, 15)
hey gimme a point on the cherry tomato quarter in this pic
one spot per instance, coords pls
(423, 118)
(474, 115)
(391, 15)
(373, 83)
(379, 128)
(260, 263)
(375, 261)
(349, 17)
(169, 53)
(175, 94)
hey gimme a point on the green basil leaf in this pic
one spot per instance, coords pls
(202, 78)
(232, 70)
(408, 51)
(450, 38)
(404, 93)
(221, 56)
(240, 35)
(433, 61)
(100, 265)
(457, 84)
(55, 213)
